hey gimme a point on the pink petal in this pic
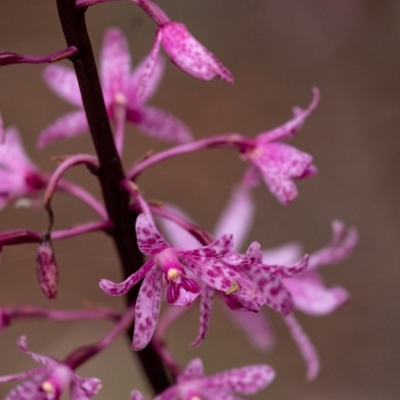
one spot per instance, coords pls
(218, 248)
(136, 395)
(340, 247)
(84, 388)
(246, 380)
(135, 81)
(237, 216)
(182, 293)
(115, 63)
(47, 269)
(29, 389)
(117, 289)
(66, 127)
(149, 240)
(312, 297)
(62, 80)
(176, 235)
(288, 271)
(193, 370)
(147, 309)
(256, 327)
(304, 345)
(191, 56)
(205, 314)
(2, 136)
(159, 124)
(23, 346)
(290, 128)
(285, 254)
(279, 164)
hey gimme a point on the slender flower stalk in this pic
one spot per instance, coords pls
(7, 58)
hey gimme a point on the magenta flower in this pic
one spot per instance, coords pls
(184, 50)
(120, 90)
(18, 175)
(277, 163)
(193, 385)
(205, 263)
(50, 381)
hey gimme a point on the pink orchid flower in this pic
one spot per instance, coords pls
(171, 262)
(50, 381)
(278, 163)
(121, 95)
(18, 175)
(192, 384)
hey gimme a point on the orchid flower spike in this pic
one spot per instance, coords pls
(121, 89)
(50, 381)
(185, 51)
(192, 384)
(171, 262)
(18, 175)
(277, 163)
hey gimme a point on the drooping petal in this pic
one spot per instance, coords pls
(304, 345)
(246, 380)
(159, 124)
(290, 128)
(115, 62)
(237, 216)
(190, 55)
(255, 325)
(147, 308)
(279, 164)
(149, 240)
(312, 297)
(135, 81)
(218, 248)
(66, 127)
(118, 289)
(84, 388)
(205, 313)
(62, 80)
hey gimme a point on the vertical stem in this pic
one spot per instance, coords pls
(111, 172)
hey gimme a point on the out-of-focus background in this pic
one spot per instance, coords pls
(276, 50)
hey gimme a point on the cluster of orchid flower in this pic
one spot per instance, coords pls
(196, 264)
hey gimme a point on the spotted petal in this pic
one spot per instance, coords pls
(84, 388)
(150, 241)
(218, 248)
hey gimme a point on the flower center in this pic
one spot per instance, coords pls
(120, 99)
(173, 273)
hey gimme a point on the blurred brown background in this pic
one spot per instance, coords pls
(276, 50)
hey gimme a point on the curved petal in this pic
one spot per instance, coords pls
(66, 127)
(255, 325)
(246, 380)
(237, 217)
(115, 64)
(147, 309)
(205, 313)
(290, 128)
(304, 345)
(117, 289)
(190, 55)
(62, 80)
(218, 248)
(149, 240)
(312, 297)
(23, 346)
(135, 79)
(279, 164)
(159, 124)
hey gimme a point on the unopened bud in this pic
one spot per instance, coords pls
(47, 269)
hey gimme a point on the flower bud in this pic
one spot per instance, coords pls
(47, 269)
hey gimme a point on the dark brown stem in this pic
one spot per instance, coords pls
(111, 172)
